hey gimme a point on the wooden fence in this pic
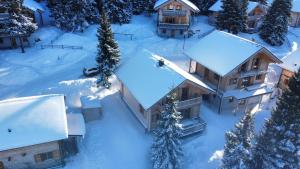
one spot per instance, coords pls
(61, 47)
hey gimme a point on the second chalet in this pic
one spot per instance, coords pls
(235, 67)
(174, 17)
(146, 80)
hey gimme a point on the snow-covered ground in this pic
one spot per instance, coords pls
(117, 141)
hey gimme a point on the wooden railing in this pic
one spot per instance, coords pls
(252, 73)
(193, 126)
(173, 25)
(61, 47)
(188, 103)
(174, 12)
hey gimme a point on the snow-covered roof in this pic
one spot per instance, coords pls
(76, 125)
(291, 62)
(148, 82)
(33, 5)
(252, 91)
(296, 6)
(160, 3)
(88, 102)
(222, 52)
(32, 120)
(218, 6)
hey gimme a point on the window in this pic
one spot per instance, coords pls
(216, 76)
(9, 159)
(233, 81)
(164, 31)
(286, 81)
(242, 102)
(45, 156)
(230, 100)
(1, 40)
(24, 154)
(243, 67)
(258, 77)
(255, 63)
(178, 7)
(181, 32)
(142, 109)
(25, 39)
(170, 7)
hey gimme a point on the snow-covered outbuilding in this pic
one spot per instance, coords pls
(290, 65)
(36, 132)
(295, 14)
(91, 108)
(255, 12)
(34, 10)
(146, 80)
(174, 17)
(236, 70)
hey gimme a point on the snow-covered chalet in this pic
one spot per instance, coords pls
(36, 132)
(146, 79)
(174, 17)
(236, 70)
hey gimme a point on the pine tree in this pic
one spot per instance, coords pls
(229, 17)
(166, 149)
(138, 6)
(108, 52)
(238, 144)
(244, 14)
(149, 6)
(203, 5)
(275, 24)
(74, 15)
(17, 24)
(278, 145)
(118, 11)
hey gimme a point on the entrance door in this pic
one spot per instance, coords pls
(185, 113)
(13, 42)
(1, 165)
(184, 93)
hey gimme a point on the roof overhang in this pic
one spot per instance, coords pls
(179, 1)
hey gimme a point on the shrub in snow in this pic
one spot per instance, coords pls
(278, 145)
(238, 144)
(275, 24)
(74, 15)
(118, 11)
(230, 17)
(166, 149)
(108, 52)
(17, 24)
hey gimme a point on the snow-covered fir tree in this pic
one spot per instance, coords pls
(278, 145)
(108, 52)
(138, 6)
(149, 6)
(275, 24)
(166, 150)
(229, 17)
(17, 24)
(74, 15)
(203, 5)
(118, 11)
(244, 14)
(238, 144)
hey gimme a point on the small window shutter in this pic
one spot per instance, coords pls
(38, 158)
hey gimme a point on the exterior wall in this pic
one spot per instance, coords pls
(24, 158)
(180, 23)
(12, 42)
(295, 19)
(284, 78)
(239, 106)
(91, 114)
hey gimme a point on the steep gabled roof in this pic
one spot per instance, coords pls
(217, 6)
(32, 120)
(222, 52)
(148, 82)
(188, 3)
(291, 62)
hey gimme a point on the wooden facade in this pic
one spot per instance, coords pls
(189, 98)
(294, 19)
(284, 78)
(34, 157)
(245, 76)
(174, 19)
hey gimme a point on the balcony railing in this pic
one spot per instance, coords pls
(193, 126)
(173, 25)
(188, 103)
(252, 73)
(174, 12)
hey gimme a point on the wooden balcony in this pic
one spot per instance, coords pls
(189, 103)
(174, 12)
(252, 72)
(193, 126)
(173, 26)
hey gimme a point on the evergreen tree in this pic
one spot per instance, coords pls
(238, 144)
(17, 24)
(74, 15)
(275, 24)
(278, 145)
(203, 5)
(166, 149)
(118, 11)
(229, 17)
(138, 6)
(244, 14)
(108, 52)
(149, 6)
